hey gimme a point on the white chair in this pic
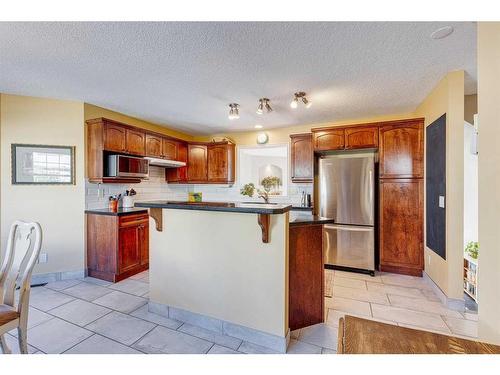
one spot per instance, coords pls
(23, 247)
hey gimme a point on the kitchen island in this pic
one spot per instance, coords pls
(222, 266)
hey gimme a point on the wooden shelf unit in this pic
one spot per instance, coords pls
(470, 277)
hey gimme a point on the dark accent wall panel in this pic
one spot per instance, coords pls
(435, 185)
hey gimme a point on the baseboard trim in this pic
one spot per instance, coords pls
(44, 278)
(267, 340)
(451, 303)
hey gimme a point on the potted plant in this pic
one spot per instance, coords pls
(472, 249)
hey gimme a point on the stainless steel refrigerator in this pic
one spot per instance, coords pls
(346, 193)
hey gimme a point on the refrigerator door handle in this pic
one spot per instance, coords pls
(351, 228)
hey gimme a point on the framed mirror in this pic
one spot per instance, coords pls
(43, 165)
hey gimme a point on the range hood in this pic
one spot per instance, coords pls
(165, 163)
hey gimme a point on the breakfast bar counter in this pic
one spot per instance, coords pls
(222, 266)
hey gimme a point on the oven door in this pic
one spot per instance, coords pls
(130, 166)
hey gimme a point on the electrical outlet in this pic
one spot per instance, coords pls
(43, 258)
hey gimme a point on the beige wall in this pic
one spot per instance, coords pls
(448, 97)
(470, 108)
(58, 209)
(215, 264)
(488, 42)
(92, 111)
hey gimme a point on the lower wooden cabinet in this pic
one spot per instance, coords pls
(306, 276)
(401, 226)
(117, 246)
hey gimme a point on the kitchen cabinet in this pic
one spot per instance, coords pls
(197, 163)
(306, 276)
(117, 245)
(154, 145)
(401, 150)
(135, 142)
(114, 138)
(357, 137)
(302, 157)
(178, 175)
(328, 139)
(220, 162)
(170, 149)
(401, 226)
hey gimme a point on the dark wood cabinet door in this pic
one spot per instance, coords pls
(144, 243)
(169, 149)
(136, 142)
(197, 163)
(331, 139)
(361, 137)
(401, 150)
(302, 156)
(114, 138)
(154, 145)
(220, 163)
(129, 255)
(401, 226)
(306, 276)
(178, 175)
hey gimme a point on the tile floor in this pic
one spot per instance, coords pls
(94, 316)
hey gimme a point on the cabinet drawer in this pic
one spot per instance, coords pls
(131, 220)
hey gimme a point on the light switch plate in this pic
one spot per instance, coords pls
(441, 201)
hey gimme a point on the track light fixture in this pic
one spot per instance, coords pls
(301, 95)
(264, 103)
(234, 112)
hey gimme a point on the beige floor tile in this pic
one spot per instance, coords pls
(471, 316)
(404, 280)
(301, 347)
(218, 349)
(417, 318)
(393, 289)
(360, 295)
(321, 335)
(295, 334)
(430, 295)
(350, 306)
(359, 276)
(349, 283)
(421, 305)
(462, 327)
(328, 351)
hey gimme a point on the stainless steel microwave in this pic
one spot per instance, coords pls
(127, 166)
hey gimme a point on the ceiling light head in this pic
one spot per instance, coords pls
(258, 126)
(264, 103)
(442, 32)
(301, 95)
(234, 112)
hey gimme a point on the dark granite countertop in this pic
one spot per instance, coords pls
(120, 212)
(251, 208)
(301, 208)
(309, 219)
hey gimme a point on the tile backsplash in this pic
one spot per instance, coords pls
(96, 195)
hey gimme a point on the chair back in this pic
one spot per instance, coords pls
(23, 247)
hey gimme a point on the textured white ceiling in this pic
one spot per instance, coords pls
(185, 74)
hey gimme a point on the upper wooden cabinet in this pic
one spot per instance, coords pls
(328, 139)
(154, 145)
(178, 175)
(114, 137)
(197, 163)
(135, 142)
(220, 162)
(402, 149)
(361, 137)
(301, 152)
(170, 149)
(401, 226)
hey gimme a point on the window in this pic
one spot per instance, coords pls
(266, 167)
(36, 164)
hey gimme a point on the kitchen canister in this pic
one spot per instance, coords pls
(127, 201)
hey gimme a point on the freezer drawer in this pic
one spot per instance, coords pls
(350, 246)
